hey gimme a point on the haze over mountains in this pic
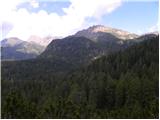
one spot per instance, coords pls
(41, 41)
(16, 49)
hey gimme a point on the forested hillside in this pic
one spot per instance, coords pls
(124, 84)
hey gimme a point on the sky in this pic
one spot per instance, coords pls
(23, 18)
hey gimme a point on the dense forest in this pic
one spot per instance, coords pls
(124, 84)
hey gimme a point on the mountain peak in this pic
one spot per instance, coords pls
(99, 28)
(43, 41)
(12, 41)
(95, 31)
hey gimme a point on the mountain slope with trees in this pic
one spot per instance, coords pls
(122, 84)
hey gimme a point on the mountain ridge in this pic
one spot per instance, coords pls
(103, 39)
(93, 32)
(82, 49)
(17, 49)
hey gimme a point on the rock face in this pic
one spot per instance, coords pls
(41, 41)
(97, 31)
(16, 49)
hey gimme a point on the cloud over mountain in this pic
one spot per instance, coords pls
(43, 23)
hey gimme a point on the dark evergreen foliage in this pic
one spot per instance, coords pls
(124, 84)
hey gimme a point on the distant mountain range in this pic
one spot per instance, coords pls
(85, 45)
(16, 49)
(41, 41)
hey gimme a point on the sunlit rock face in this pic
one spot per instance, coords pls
(98, 30)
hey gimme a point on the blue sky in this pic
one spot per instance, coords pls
(49, 6)
(136, 17)
(64, 17)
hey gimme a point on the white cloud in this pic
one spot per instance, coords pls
(42, 23)
(153, 28)
(150, 29)
(34, 3)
